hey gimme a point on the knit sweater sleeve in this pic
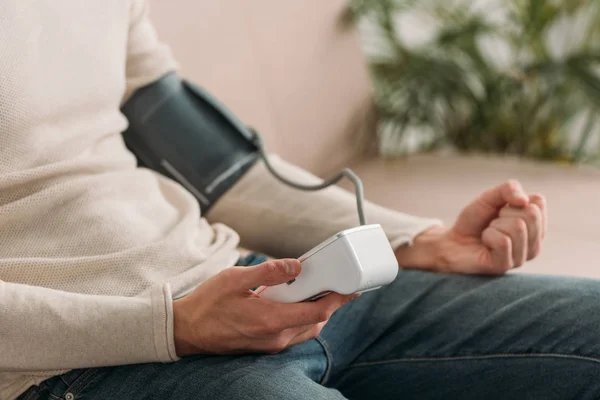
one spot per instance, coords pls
(147, 57)
(43, 329)
(285, 222)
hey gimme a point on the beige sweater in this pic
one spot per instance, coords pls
(93, 249)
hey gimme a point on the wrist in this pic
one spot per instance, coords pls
(425, 252)
(181, 329)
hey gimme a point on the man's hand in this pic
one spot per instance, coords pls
(223, 316)
(500, 230)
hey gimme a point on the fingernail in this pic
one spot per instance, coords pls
(519, 194)
(290, 267)
(356, 296)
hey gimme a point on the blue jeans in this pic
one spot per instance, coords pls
(425, 336)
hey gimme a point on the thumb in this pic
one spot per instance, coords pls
(270, 273)
(476, 217)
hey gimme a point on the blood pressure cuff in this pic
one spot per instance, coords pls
(181, 131)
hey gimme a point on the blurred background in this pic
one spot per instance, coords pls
(430, 101)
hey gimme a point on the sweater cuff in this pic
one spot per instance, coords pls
(162, 311)
(418, 226)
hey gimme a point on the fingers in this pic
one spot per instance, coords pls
(532, 216)
(308, 313)
(270, 273)
(285, 325)
(516, 230)
(500, 247)
(289, 337)
(269, 319)
(476, 217)
(524, 227)
(318, 315)
(511, 193)
(310, 333)
(540, 201)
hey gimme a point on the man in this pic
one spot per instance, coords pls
(112, 286)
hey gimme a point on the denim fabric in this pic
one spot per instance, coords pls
(425, 336)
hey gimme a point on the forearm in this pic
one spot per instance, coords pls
(43, 329)
(284, 222)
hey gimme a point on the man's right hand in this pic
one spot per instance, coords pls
(224, 316)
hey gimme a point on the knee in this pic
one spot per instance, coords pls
(562, 302)
(573, 293)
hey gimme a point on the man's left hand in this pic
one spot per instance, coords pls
(500, 230)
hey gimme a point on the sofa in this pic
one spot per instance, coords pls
(296, 72)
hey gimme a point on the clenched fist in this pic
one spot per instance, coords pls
(501, 229)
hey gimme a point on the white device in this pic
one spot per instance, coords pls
(355, 260)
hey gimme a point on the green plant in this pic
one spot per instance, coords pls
(451, 91)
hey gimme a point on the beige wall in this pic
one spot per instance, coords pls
(292, 69)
